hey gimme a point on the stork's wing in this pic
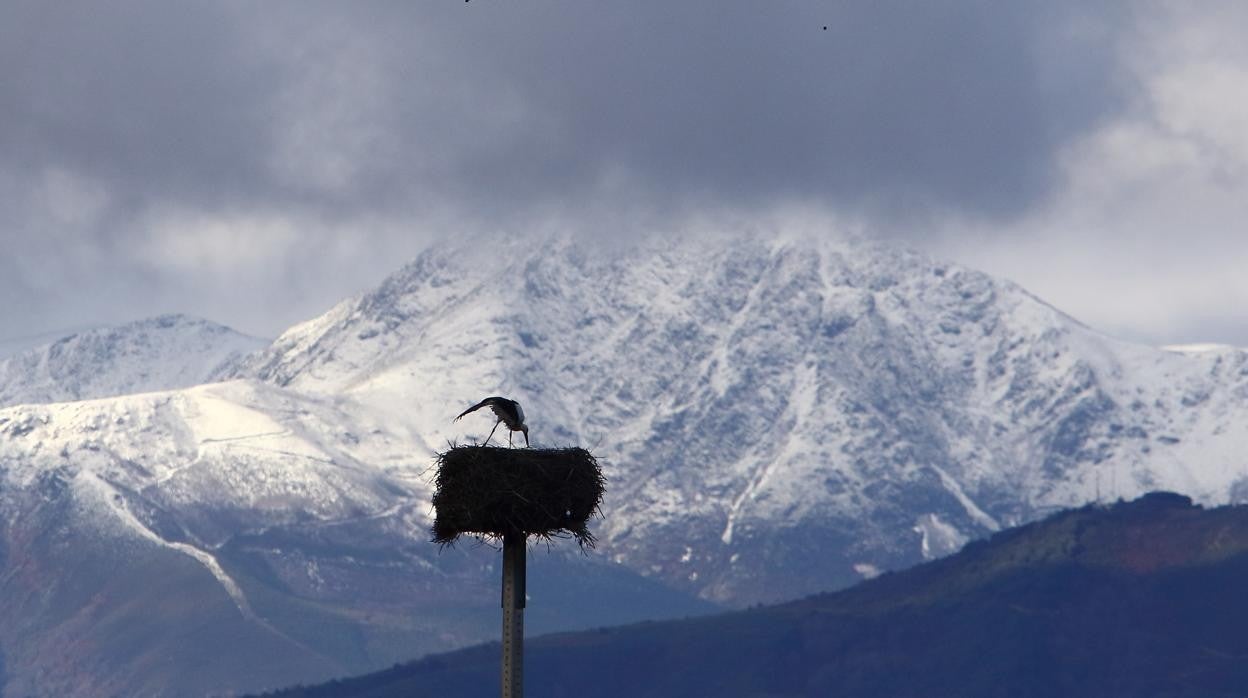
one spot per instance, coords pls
(474, 408)
(491, 401)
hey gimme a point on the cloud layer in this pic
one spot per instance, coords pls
(201, 156)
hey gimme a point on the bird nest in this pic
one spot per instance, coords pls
(489, 492)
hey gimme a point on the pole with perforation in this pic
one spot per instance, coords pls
(513, 614)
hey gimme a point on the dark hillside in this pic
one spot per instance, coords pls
(1142, 599)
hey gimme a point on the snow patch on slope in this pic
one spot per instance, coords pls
(110, 503)
(938, 538)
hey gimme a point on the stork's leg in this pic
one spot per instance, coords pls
(510, 434)
(487, 439)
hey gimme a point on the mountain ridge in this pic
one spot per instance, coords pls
(159, 353)
(860, 355)
(776, 417)
(1059, 606)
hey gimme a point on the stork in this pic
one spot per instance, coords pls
(508, 412)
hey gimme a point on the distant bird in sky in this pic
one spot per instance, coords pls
(508, 412)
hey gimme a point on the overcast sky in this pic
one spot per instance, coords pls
(255, 162)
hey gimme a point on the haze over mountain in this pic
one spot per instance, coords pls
(1138, 599)
(776, 417)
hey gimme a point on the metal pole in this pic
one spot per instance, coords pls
(513, 614)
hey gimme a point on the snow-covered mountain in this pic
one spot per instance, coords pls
(784, 416)
(776, 417)
(161, 353)
(284, 535)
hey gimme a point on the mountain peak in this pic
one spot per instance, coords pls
(158, 353)
(775, 417)
(761, 393)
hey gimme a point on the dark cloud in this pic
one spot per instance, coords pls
(124, 125)
(158, 100)
(958, 105)
(495, 106)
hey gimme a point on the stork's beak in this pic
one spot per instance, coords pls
(526, 435)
